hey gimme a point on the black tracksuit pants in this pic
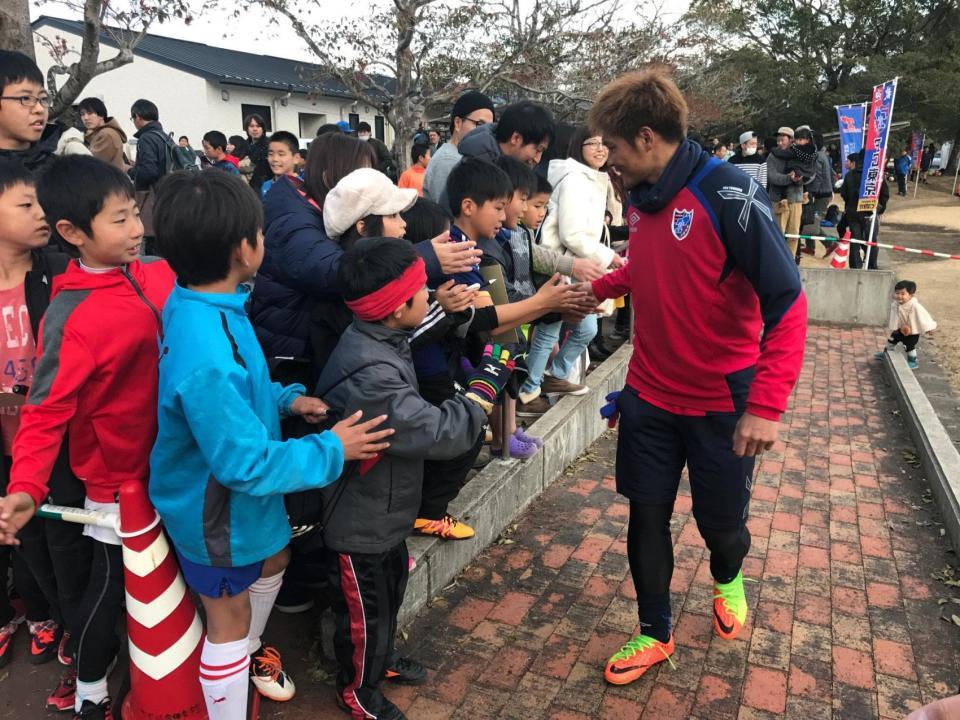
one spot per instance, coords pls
(367, 593)
(52, 563)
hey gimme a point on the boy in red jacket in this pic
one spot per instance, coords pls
(96, 382)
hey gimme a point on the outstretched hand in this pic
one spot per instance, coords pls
(456, 257)
(311, 409)
(359, 440)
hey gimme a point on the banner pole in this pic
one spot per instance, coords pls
(883, 167)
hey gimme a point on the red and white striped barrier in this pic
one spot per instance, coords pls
(165, 632)
(899, 248)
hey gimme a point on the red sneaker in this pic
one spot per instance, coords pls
(44, 641)
(635, 658)
(6, 637)
(63, 698)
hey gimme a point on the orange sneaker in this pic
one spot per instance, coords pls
(447, 528)
(729, 607)
(635, 658)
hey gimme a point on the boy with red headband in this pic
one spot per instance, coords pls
(371, 510)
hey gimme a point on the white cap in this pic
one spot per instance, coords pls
(363, 192)
(747, 136)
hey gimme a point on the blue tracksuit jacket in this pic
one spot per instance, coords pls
(219, 470)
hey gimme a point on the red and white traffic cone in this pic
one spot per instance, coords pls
(839, 258)
(165, 632)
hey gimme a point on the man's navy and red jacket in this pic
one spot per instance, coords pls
(95, 380)
(708, 273)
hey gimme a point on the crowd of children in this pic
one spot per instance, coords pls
(290, 436)
(313, 424)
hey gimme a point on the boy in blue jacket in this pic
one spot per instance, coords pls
(219, 469)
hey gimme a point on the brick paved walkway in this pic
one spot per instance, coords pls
(843, 622)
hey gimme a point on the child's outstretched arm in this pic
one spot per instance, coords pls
(237, 445)
(64, 366)
(421, 430)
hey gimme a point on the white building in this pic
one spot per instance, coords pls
(199, 88)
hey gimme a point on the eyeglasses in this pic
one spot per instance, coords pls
(28, 101)
(596, 144)
(478, 123)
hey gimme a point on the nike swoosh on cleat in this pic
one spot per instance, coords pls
(616, 670)
(723, 626)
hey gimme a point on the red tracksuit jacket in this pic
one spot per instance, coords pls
(96, 380)
(720, 314)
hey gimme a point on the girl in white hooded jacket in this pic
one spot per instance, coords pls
(575, 226)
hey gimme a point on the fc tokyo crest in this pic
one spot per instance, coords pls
(682, 221)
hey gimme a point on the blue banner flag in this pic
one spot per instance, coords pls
(850, 118)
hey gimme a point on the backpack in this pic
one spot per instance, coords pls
(182, 162)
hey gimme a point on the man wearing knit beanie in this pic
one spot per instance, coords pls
(470, 111)
(748, 160)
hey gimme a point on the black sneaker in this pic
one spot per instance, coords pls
(406, 672)
(293, 598)
(388, 711)
(95, 711)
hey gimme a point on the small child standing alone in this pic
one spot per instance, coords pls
(908, 321)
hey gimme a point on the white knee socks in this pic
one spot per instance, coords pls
(263, 594)
(225, 678)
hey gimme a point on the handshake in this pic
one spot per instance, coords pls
(573, 301)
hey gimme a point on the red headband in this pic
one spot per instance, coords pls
(380, 303)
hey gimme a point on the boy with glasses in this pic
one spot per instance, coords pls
(25, 135)
(472, 110)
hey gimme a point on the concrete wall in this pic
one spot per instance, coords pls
(191, 105)
(851, 297)
(492, 499)
(938, 455)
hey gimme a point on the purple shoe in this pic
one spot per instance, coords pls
(518, 449)
(521, 435)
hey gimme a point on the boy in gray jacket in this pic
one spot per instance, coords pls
(371, 510)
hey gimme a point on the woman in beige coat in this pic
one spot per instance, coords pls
(103, 135)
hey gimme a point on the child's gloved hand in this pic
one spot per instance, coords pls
(609, 412)
(488, 379)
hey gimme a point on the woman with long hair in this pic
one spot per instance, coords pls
(575, 226)
(258, 144)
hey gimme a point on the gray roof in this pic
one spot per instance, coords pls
(229, 67)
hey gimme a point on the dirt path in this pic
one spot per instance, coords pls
(929, 221)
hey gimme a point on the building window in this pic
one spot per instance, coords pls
(310, 123)
(261, 110)
(378, 127)
(354, 119)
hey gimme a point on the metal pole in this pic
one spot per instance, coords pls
(953, 190)
(873, 223)
(505, 415)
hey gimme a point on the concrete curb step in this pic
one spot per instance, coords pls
(938, 455)
(500, 492)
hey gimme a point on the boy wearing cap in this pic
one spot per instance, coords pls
(749, 160)
(472, 110)
(372, 508)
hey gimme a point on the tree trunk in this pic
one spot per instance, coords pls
(15, 31)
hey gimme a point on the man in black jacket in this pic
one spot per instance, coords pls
(155, 158)
(859, 223)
